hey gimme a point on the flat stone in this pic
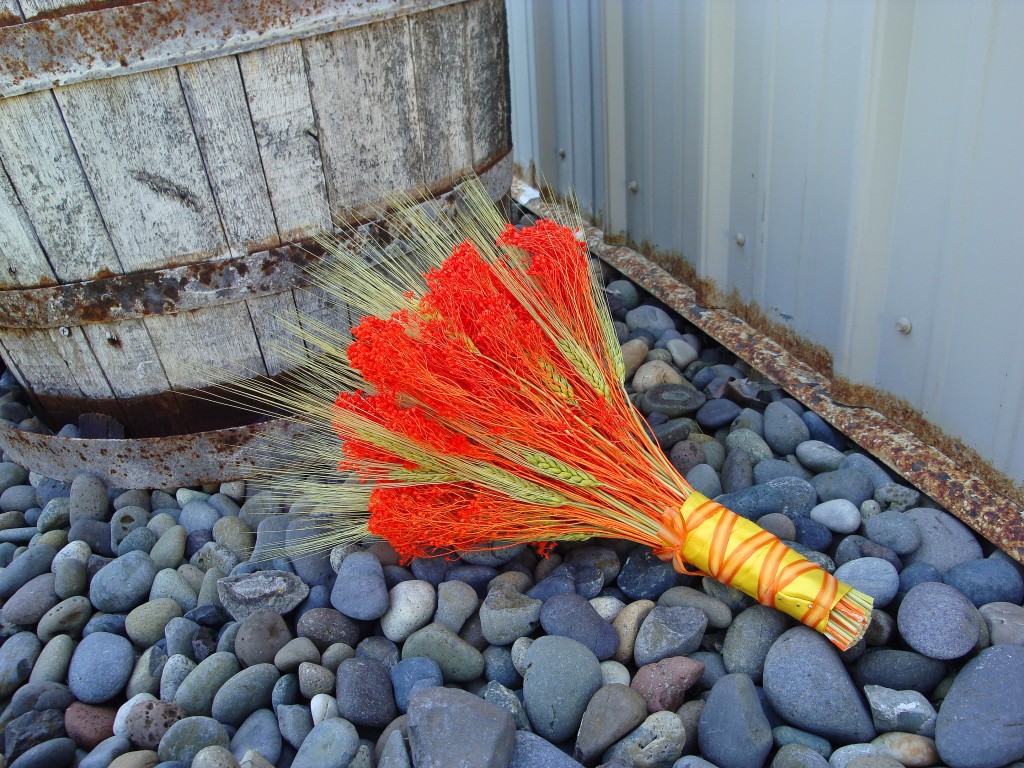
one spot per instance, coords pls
(277, 591)
(29, 604)
(325, 627)
(669, 632)
(612, 712)
(560, 677)
(188, 736)
(704, 480)
(243, 693)
(331, 744)
(459, 661)
(850, 484)
(750, 637)
(819, 456)
(100, 667)
(900, 670)
(259, 734)
(123, 584)
(906, 711)
(364, 693)
(657, 742)
(945, 541)
(938, 621)
(894, 530)
(35, 561)
(411, 606)
(196, 693)
(981, 581)
(733, 730)
(572, 615)
(439, 720)
(645, 576)
(979, 720)
(360, 591)
(672, 400)
(806, 683)
(873, 576)
(784, 430)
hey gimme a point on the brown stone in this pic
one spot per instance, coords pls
(261, 635)
(663, 685)
(89, 724)
(148, 721)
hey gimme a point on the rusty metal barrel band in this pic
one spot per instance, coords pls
(193, 286)
(142, 36)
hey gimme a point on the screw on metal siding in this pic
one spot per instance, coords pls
(633, 187)
(561, 152)
(64, 330)
(904, 326)
(740, 239)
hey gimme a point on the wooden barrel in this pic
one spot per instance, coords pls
(159, 159)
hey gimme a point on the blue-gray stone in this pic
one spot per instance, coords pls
(785, 735)
(550, 586)
(938, 621)
(35, 561)
(651, 319)
(100, 667)
(294, 721)
(672, 431)
(312, 566)
(245, 692)
(188, 736)
(572, 615)
(980, 720)
(945, 541)
(124, 521)
(141, 540)
(917, 573)
(669, 631)
(819, 456)
(750, 637)
(625, 291)
(55, 753)
(498, 666)
(18, 498)
(753, 502)
(531, 751)
(415, 674)
(379, 649)
(431, 569)
(784, 430)
(896, 496)
(717, 412)
(851, 484)
(268, 590)
(801, 756)
(820, 430)
(506, 615)
(807, 685)
(449, 727)
(862, 463)
(737, 472)
(179, 634)
(812, 534)
(750, 443)
(714, 669)
(104, 753)
(644, 576)
(894, 530)
(873, 576)
(95, 533)
(704, 480)
(749, 419)
(733, 730)
(899, 670)
(773, 469)
(560, 677)
(477, 576)
(124, 583)
(17, 655)
(364, 693)
(286, 691)
(331, 744)
(198, 515)
(259, 733)
(985, 581)
(798, 495)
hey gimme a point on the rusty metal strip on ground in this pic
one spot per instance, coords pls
(155, 462)
(119, 40)
(989, 513)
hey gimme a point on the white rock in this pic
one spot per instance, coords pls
(614, 672)
(235, 489)
(655, 372)
(121, 718)
(519, 649)
(682, 353)
(323, 706)
(74, 550)
(184, 495)
(839, 515)
(411, 607)
(607, 607)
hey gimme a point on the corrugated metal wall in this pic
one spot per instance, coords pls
(869, 153)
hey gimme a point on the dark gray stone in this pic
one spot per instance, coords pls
(531, 751)
(612, 712)
(750, 637)
(644, 576)
(733, 730)
(56, 753)
(753, 502)
(850, 484)
(331, 744)
(560, 677)
(900, 670)
(669, 631)
(439, 721)
(945, 541)
(737, 472)
(273, 590)
(571, 615)
(360, 591)
(784, 430)
(364, 693)
(938, 621)
(980, 720)
(981, 581)
(807, 685)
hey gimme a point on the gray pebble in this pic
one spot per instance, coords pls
(55, 753)
(896, 497)
(945, 541)
(862, 463)
(904, 711)
(171, 584)
(733, 731)
(873, 576)
(124, 521)
(89, 500)
(838, 515)
(806, 683)
(818, 456)
(737, 472)
(718, 613)
(35, 561)
(188, 736)
(123, 584)
(560, 677)
(145, 624)
(360, 591)
(18, 498)
(100, 667)
(17, 655)
(196, 693)
(750, 443)
(784, 430)
(572, 615)
(259, 733)
(459, 661)
(295, 722)
(703, 479)
(669, 632)
(506, 615)
(56, 514)
(750, 637)
(440, 718)
(244, 693)
(894, 530)
(331, 744)
(981, 581)
(456, 602)
(657, 742)
(850, 484)
(938, 621)
(29, 604)
(68, 616)
(798, 756)
(104, 753)
(364, 693)
(612, 713)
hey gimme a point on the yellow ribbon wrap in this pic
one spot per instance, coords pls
(741, 554)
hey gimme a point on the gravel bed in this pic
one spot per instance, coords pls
(137, 632)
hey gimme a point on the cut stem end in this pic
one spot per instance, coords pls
(849, 619)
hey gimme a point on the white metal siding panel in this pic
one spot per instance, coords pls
(869, 152)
